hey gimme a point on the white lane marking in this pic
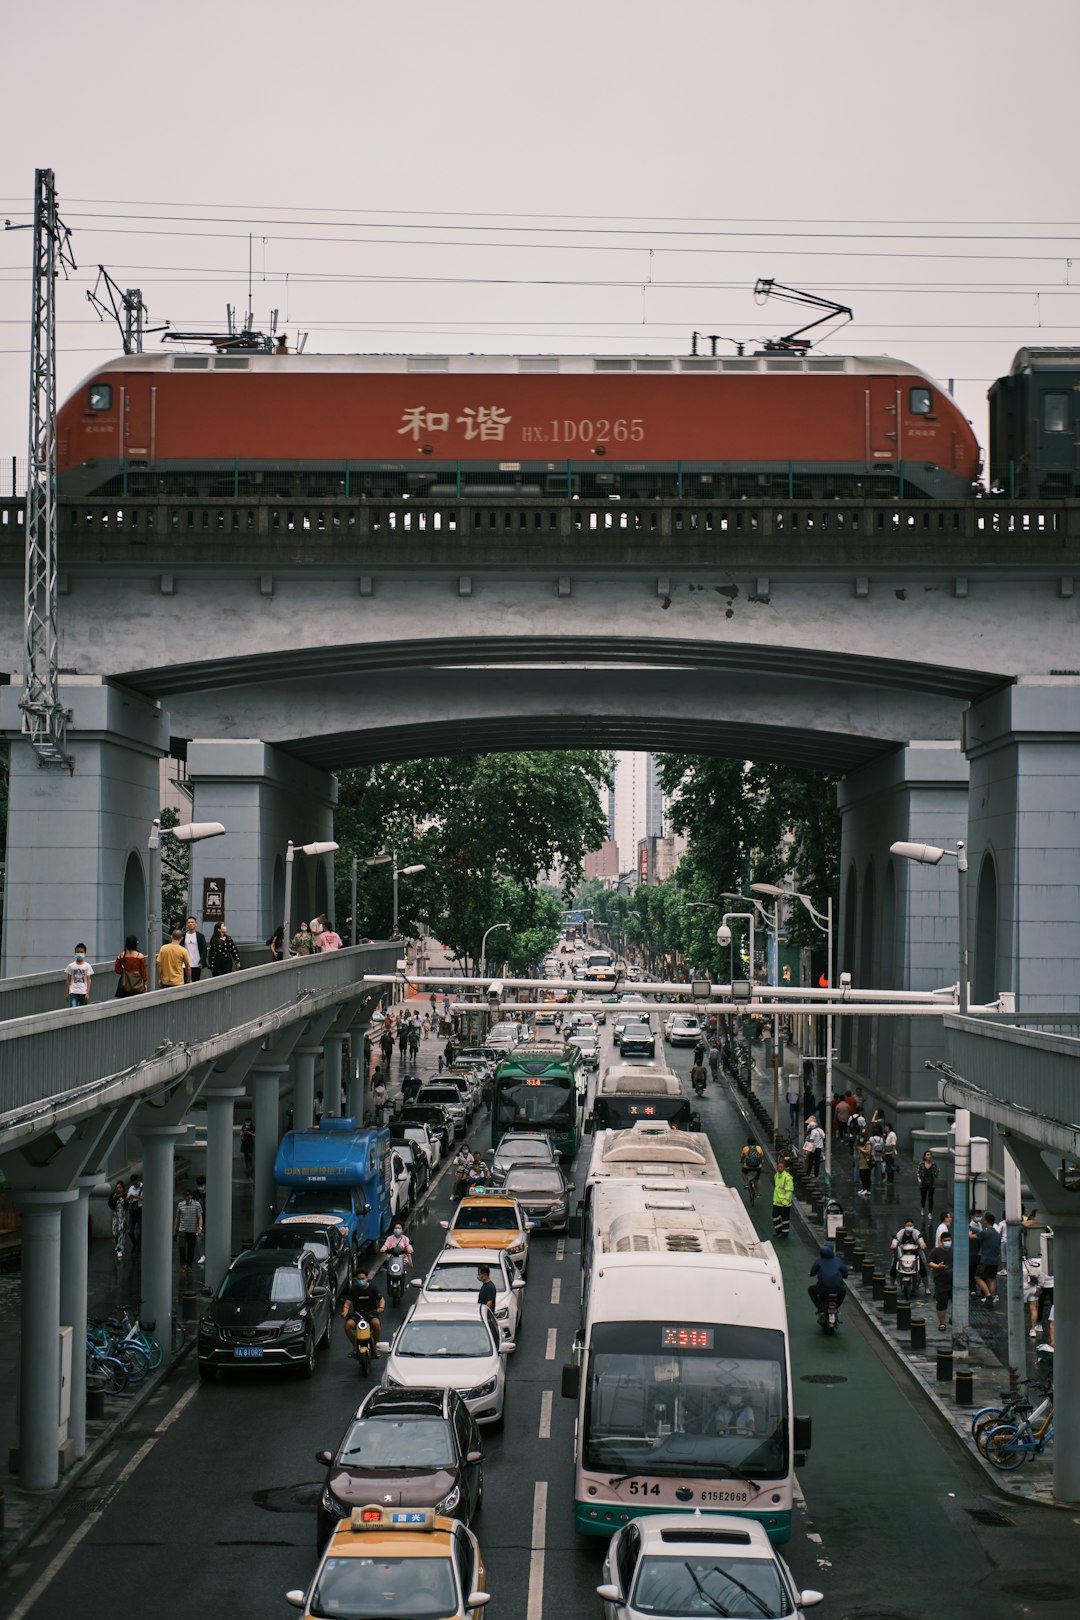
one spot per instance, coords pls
(545, 1416)
(809, 1531)
(171, 1416)
(535, 1610)
(46, 1579)
(549, 1353)
(560, 1249)
(556, 1290)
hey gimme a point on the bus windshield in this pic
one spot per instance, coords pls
(534, 1104)
(621, 1113)
(687, 1398)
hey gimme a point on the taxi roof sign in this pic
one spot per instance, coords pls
(374, 1517)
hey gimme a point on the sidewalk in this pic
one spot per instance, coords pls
(873, 1222)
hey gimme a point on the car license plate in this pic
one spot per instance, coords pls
(249, 1352)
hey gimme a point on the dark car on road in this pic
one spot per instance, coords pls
(540, 1190)
(404, 1448)
(637, 1040)
(327, 1243)
(433, 1114)
(271, 1310)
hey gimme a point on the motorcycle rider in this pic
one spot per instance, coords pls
(363, 1299)
(462, 1166)
(698, 1076)
(830, 1272)
(910, 1238)
(399, 1242)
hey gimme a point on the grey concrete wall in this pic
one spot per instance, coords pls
(898, 921)
(1024, 748)
(71, 834)
(263, 798)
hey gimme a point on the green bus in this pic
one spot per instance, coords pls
(536, 1089)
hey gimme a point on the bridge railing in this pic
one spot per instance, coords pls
(1030, 1059)
(44, 1056)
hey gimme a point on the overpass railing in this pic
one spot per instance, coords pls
(1031, 1060)
(48, 1056)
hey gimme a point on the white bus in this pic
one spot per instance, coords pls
(682, 1373)
(651, 1149)
(628, 1092)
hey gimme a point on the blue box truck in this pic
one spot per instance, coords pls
(341, 1173)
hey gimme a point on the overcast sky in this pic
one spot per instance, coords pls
(579, 175)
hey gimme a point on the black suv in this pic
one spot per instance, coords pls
(404, 1448)
(271, 1310)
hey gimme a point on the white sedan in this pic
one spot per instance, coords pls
(451, 1347)
(452, 1280)
(687, 1565)
(683, 1029)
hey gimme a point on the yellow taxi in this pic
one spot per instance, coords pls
(396, 1563)
(488, 1218)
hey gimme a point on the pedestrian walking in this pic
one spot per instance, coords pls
(134, 1211)
(426, 1026)
(130, 969)
(414, 1043)
(989, 1258)
(813, 1146)
(378, 1098)
(302, 942)
(941, 1275)
(386, 1044)
(276, 943)
(793, 1105)
(449, 1052)
(927, 1177)
(714, 1061)
(865, 1159)
(222, 956)
(403, 1042)
(187, 1229)
(809, 1102)
(783, 1193)
(173, 965)
(194, 942)
(247, 1145)
(79, 974)
(890, 1152)
(327, 939)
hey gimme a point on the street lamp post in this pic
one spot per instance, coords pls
(931, 855)
(825, 924)
(192, 832)
(483, 946)
(326, 848)
(384, 858)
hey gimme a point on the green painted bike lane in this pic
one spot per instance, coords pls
(888, 1495)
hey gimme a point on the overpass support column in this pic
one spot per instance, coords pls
(39, 1367)
(76, 842)
(332, 1067)
(220, 1108)
(1066, 1358)
(74, 1225)
(358, 1071)
(263, 798)
(159, 1200)
(266, 1083)
(898, 922)
(303, 1087)
(1024, 844)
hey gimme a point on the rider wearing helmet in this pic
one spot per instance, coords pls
(829, 1271)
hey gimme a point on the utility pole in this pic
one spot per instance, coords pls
(44, 721)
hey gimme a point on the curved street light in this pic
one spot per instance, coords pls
(483, 946)
(192, 832)
(384, 858)
(326, 848)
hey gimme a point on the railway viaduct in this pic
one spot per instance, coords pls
(927, 653)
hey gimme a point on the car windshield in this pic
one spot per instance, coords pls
(398, 1442)
(535, 1181)
(511, 1151)
(438, 1339)
(372, 1588)
(486, 1218)
(440, 1094)
(710, 1583)
(250, 1285)
(317, 1201)
(295, 1238)
(458, 1278)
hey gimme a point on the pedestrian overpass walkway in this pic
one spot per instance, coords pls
(73, 1082)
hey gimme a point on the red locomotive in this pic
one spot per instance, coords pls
(770, 425)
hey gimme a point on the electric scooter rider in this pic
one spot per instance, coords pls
(399, 1242)
(910, 1239)
(363, 1299)
(830, 1272)
(698, 1078)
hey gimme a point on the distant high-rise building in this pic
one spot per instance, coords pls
(639, 804)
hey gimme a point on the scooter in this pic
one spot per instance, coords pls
(908, 1270)
(829, 1313)
(698, 1083)
(364, 1345)
(396, 1275)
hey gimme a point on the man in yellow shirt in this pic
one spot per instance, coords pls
(173, 963)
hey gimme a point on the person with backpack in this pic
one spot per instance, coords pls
(752, 1160)
(130, 969)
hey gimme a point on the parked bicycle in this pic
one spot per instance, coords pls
(1014, 1403)
(1011, 1444)
(103, 1371)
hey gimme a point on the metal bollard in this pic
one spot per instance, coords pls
(903, 1315)
(849, 1246)
(858, 1256)
(965, 1386)
(95, 1405)
(889, 1299)
(944, 1364)
(868, 1274)
(918, 1333)
(879, 1285)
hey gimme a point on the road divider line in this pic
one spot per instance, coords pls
(556, 1290)
(174, 1412)
(549, 1353)
(545, 1416)
(560, 1249)
(535, 1609)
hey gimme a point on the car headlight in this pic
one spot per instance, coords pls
(483, 1389)
(503, 1313)
(207, 1329)
(330, 1504)
(392, 1383)
(449, 1501)
(295, 1324)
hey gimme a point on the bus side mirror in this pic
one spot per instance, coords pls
(571, 1381)
(573, 1226)
(802, 1434)
(589, 1126)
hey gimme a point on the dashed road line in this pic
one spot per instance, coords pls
(544, 1432)
(560, 1249)
(549, 1353)
(556, 1290)
(535, 1609)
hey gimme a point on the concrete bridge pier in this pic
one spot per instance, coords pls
(263, 798)
(898, 921)
(39, 1367)
(74, 1256)
(76, 845)
(1023, 743)
(220, 1110)
(358, 1080)
(303, 1087)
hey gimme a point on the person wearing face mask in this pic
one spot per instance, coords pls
(941, 1272)
(908, 1237)
(399, 1242)
(79, 973)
